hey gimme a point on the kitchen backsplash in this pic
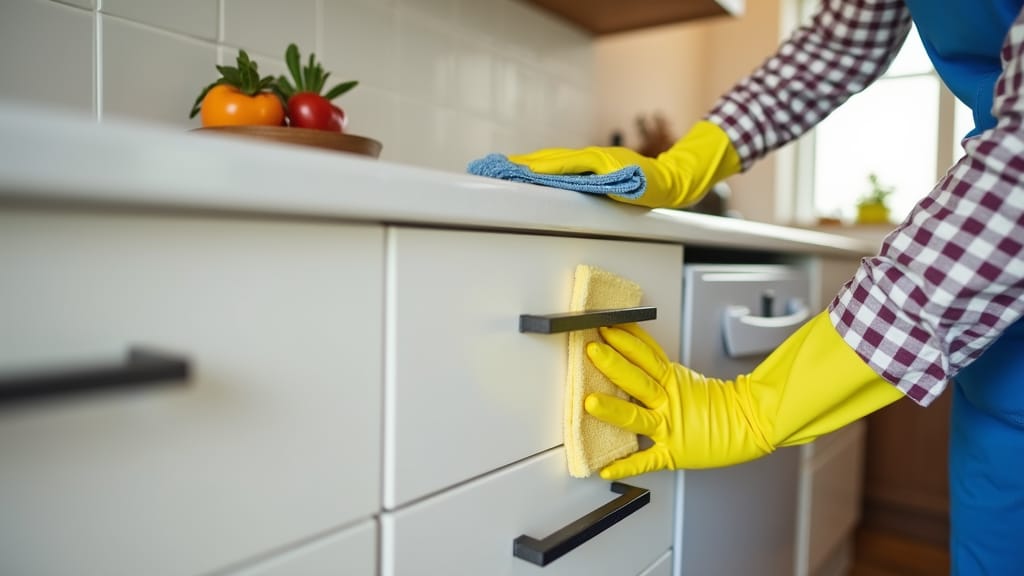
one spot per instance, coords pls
(441, 81)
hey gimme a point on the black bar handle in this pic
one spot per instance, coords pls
(567, 322)
(141, 366)
(545, 551)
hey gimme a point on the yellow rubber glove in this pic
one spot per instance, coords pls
(678, 177)
(812, 384)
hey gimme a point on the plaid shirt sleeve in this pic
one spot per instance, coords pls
(846, 46)
(950, 279)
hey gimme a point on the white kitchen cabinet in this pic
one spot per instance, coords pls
(740, 519)
(470, 529)
(462, 385)
(350, 552)
(830, 499)
(661, 567)
(358, 397)
(273, 437)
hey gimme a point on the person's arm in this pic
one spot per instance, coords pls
(846, 46)
(950, 279)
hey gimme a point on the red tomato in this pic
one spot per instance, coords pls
(309, 110)
(340, 118)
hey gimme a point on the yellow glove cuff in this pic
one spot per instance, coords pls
(813, 384)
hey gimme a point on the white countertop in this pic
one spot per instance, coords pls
(47, 157)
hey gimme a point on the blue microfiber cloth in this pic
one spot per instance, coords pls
(629, 182)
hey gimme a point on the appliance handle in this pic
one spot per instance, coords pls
(746, 334)
(140, 366)
(567, 322)
(546, 550)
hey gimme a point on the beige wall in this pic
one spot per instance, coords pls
(680, 71)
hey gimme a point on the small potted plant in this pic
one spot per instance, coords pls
(873, 207)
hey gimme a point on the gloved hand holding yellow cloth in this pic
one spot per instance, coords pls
(812, 384)
(678, 177)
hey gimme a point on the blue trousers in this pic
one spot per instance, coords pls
(986, 461)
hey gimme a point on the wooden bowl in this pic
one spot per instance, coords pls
(303, 137)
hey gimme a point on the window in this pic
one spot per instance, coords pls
(905, 128)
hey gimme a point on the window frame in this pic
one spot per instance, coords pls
(795, 163)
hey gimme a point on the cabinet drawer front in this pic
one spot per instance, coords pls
(272, 438)
(469, 530)
(749, 507)
(662, 567)
(351, 552)
(833, 479)
(463, 386)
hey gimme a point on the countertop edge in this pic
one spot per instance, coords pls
(56, 158)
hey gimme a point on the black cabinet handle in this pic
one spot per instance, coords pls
(141, 366)
(547, 550)
(567, 322)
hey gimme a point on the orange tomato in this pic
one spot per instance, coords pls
(226, 105)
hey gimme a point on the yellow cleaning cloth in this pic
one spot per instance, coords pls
(590, 444)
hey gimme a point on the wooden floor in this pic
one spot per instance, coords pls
(881, 554)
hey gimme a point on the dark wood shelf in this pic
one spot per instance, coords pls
(610, 16)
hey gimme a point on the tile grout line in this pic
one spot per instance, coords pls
(319, 31)
(220, 23)
(97, 54)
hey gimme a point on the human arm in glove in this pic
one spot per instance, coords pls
(812, 384)
(678, 177)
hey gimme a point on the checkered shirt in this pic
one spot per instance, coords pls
(950, 278)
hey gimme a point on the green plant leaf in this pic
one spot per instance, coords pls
(197, 107)
(307, 73)
(243, 60)
(284, 87)
(230, 75)
(310, 77)
(341, 89)
(291, 58)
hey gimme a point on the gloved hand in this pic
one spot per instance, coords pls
(812, 384)
(678, 177)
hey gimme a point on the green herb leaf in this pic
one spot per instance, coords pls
(230, 75)
(202, 96)
(284, 87)
(341, 89)
(307, 74)
(291, 58)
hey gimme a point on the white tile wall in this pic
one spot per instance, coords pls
(80, 3)
(194, 17)
(46, 54)
(441, 81)
(149, 73)
(266, 27)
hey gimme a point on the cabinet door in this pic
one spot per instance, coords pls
(663, 566)
(831, 485)
(272, 437)
(740, 519)
(466, 392)
(350, 552)
(469, 530)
